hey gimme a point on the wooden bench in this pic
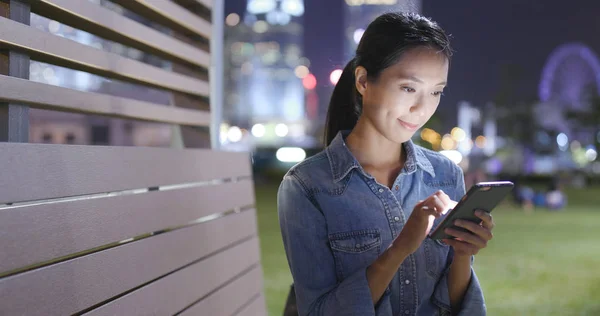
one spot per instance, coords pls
(111, 230)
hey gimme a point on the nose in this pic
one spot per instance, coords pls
(418, 107)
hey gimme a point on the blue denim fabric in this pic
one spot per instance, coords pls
(336, 220)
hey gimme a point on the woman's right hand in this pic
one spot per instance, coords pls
(421, 220)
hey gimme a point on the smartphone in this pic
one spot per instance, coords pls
(482, 196)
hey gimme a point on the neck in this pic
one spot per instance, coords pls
(372, 149)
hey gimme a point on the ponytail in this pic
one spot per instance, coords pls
(345, 105)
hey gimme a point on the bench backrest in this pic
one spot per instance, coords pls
(114, 230)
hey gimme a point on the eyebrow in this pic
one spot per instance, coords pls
(415, 79)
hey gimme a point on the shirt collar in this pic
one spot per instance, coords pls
(342, 161)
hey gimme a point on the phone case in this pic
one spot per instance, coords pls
(482, 196)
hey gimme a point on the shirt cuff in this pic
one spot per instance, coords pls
(473, 301)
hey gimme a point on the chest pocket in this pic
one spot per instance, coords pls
(354, 250)
(436, 255)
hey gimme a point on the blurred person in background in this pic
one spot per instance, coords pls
(355, 217)
(555, 198)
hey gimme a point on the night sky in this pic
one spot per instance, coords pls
(500, 46)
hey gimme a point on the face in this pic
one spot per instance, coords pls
(405, 95)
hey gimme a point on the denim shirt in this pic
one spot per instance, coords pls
(336, 219)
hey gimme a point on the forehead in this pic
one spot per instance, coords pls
(424, 63)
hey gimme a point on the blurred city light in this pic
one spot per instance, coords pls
(562, 140)
(575, 145)
(260, 26)
(468, 144)
(448, 143)
(293, 7)
(281, 130)
(305, 61)
(232, 19)
(335, 75)
(432, 137)
(480, 141)
(358, 35)
(223, 132)
(278, 17)
(309, 82)
(290, 154)
(247, 68)
(454, 155)
(261, 6)
(234, 134)
(296, 130)
(301, 71)
(258, 130)
(591, 154)
(458, 134)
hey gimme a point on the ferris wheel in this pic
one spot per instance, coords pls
(571, 70)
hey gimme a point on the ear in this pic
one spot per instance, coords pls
(360, 73)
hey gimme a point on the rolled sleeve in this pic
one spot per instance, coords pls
(473, 301)
(311, 261)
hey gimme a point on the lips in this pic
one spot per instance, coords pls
(408, 126)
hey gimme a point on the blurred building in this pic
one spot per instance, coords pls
(266, 76)
(68, 128)
(359, 13)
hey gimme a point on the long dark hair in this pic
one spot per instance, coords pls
(381, 46)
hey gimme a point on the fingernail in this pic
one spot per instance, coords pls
(479, 212)
(458, 222)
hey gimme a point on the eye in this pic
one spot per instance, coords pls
(408, 89)
(438, 93)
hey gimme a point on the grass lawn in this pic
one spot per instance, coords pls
(538, 264)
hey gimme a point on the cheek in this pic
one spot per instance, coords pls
(431, 107)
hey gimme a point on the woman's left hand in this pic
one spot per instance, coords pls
(468, 244)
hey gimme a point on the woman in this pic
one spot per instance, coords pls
(355, 217)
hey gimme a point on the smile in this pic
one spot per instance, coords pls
(409, 126)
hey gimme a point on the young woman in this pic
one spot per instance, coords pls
(355, 217)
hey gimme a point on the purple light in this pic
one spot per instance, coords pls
(577, 80)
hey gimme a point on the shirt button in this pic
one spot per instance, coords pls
(358, 246)
(397, 188)
(407, 312)
(380, 190)
(407, 282)
(397, 219)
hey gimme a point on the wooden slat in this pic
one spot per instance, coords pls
(169, 14)
(46, 96)
(75, 285)
(41, 235)
(61, 51)
(174, 292)
(41, 171)
(229, 299)
(14, 118)
(208, 4)
(203, 9)
(255, 308)
(97, 20)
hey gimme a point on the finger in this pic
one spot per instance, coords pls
(461, 246)
(478, 230)
(448, 203)
(487, 219)
(443, 196)
(429, 211)
(467, 237)
(439, 205)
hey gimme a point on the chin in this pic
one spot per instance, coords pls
(399, 137)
